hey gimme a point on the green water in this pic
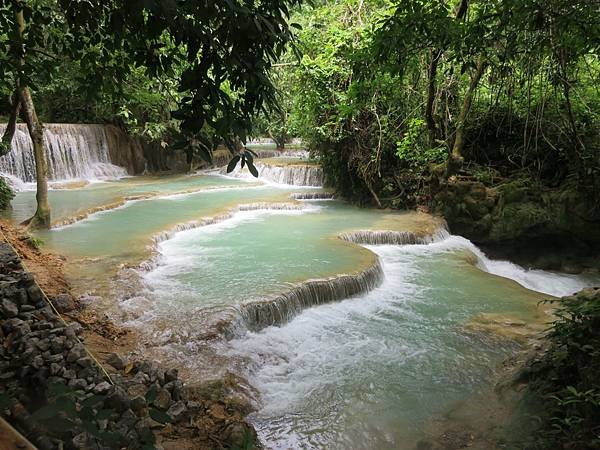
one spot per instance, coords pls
(370, 372)
(68, 202)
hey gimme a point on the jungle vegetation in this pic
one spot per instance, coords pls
(390, 95)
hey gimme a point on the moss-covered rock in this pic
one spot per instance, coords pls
(524, 216)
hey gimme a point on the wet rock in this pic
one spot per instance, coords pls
(8, 308)
(236, 435)
(116, 361)
(64, 303)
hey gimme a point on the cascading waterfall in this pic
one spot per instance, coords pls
(296, 175)
(550, 283)
(383, 237)
(290, 174)
(73, 152)
(284, 307)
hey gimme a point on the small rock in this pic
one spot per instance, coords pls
(102, 424)
(85, 361)
(9, 309)
(55, 358)
(177, 411)
(87, 373)
(175, 388)
(171, 375)
(7, 375)
(78, 383)
(69, 374)
(35, 295)
(72, 330)
(137, 390)
(116, 361)
(102, 388)
(64, 303)
(55, 369)
(76, 353)
(236, 434)
(138, 404)
(38, 362)
(118, 400)
(162, 400)
(44, 345)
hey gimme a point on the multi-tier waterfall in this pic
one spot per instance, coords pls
(73, 152)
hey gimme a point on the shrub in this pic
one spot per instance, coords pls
(6, 194)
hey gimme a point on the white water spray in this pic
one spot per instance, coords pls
(74, 152)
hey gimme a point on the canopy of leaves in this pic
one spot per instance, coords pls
(216, 56)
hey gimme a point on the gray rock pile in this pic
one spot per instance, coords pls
(53, 390)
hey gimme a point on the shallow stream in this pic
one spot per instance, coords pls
(206, 267)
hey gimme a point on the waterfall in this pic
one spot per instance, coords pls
(295, 175)
(291, 174)
(313, 196)
(374, 237)
(284, 307)
(73, 152)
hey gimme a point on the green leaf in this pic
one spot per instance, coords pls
(233, 163)
(252, 169)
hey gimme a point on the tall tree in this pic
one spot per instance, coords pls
(220, 53)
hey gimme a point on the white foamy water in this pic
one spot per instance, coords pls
(73, 152)
(368, 372)
(551, 283)
(308, 175)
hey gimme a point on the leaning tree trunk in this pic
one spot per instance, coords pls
(41, 218)
(11, 126)
(459, 138)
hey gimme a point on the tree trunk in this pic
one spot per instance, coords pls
(459, 139)
(41, 218)
(11, 126)
(431, 94)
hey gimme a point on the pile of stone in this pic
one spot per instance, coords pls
(39, 352)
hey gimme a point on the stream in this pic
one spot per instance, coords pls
(214, 271)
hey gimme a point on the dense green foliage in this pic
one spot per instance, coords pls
(567, 375)
(509, 85)
(6, 194)
(208, 61)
